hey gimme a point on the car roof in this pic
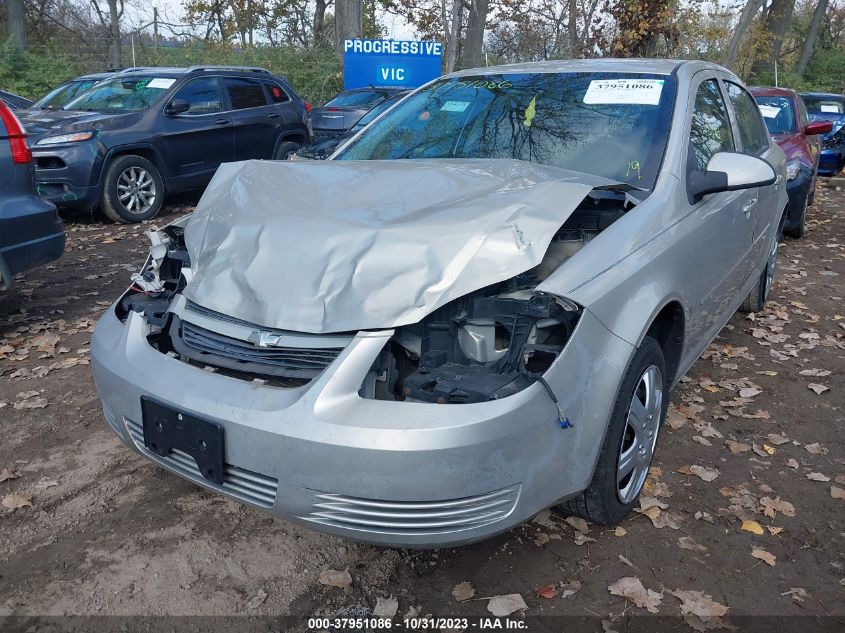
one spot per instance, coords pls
(770, 91)
(825, 95)
(655, 66)
(93, 76)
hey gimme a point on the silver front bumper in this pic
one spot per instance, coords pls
(393, 473)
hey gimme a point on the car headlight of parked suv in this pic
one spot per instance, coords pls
(793, 168)
(66, 138)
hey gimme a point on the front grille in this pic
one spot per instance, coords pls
(244, 484)
(218, 350)
(413, 517)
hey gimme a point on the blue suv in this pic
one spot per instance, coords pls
(147, 132)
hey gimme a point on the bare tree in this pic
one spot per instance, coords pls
(745, 18)
(778, 18)
(452, 31)
(348, 22)
(16, 21)
(474, 38)
(812, 36)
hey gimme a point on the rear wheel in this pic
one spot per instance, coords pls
(133, 190)
(284, 150)
(629, 443)
(756, 299)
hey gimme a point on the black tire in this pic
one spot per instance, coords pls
(602, 502)
(759, 295)
(143, 203)
(284, 149)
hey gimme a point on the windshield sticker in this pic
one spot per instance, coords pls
(770, 112)
(455, 106)
(830, 107)
(530, 111)
(624, 91)
(161, 82)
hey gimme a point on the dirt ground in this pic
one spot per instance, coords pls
(748, 439)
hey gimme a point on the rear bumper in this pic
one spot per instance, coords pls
(68, 176)
(797, 190)
(31, 233)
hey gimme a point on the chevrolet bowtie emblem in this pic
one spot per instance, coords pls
(265, 339)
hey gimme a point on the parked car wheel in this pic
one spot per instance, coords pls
(638, 413)
(284, 150)
(133, 191)
(756, 299)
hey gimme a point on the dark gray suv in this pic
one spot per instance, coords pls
(144, 133)
(31, 232)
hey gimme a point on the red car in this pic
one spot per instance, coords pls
(799, 138)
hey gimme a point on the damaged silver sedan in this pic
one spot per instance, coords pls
(473, 312)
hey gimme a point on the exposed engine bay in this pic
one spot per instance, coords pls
(486, 345)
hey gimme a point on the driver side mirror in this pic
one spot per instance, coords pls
(177, 106)
(729, 171)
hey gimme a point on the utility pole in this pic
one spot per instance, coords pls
(155, 27)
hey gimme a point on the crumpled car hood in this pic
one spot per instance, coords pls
(348, 245)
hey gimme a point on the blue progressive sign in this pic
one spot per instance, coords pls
(390, 63)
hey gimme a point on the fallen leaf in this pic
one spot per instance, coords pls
(770, 506)
(764, 556)
(463, 591)
(580, 539)
(334, 578)
(777, 439)
(753, 527)
(819, 389)
(798, 593)
(817, 373)
(45, 342)
(546, 591)
(14, 501)
(651, 502)
(257, 600)
(688, 542)
(737, 447)
(815, 449)
(674, 419)
(749, 392)
(699, 609)
(32, 403)
(7, 474)
(704, 516)
(386, 607)
(578, 523)
(704, 473)
(570, 588)
(502, 606)
(792, 463)
(837, 493)
(817, 477)
(620, 531)
(632, 589)
(774, 530)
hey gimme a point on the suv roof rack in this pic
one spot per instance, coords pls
(252, 69)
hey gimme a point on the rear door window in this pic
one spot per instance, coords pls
(203, 95)
(276, 92)
(245, 93)
(752, 132)
(710, 131)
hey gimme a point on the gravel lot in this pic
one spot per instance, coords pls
(745, 502)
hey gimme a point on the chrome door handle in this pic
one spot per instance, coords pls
(273, 116)
(746, 208)
(222, 122)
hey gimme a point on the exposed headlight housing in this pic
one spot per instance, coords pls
(61, 139)
(793, 168)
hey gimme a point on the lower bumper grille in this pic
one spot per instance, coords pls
(239, 482)
(413, 517)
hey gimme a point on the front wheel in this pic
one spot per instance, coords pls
(798, 230)
(284, 150)
(635, 421)
(133, 190)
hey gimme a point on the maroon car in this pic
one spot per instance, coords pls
(799, 138)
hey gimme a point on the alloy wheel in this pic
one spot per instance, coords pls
(136, 190)
(640, 435)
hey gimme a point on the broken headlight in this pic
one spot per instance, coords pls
(478, 348)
